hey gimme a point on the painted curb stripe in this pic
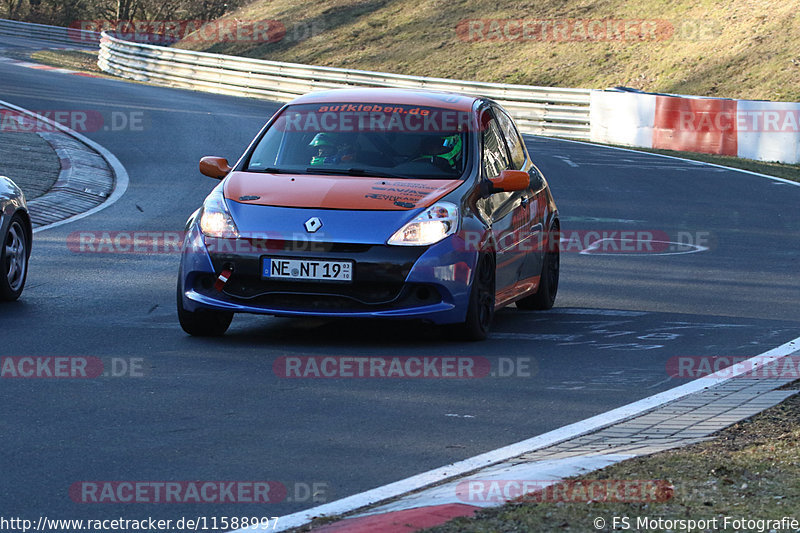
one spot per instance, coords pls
(404, 521)
(120, 174)
(49, 68)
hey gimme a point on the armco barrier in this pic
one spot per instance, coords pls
(539, 110)
(51, 34)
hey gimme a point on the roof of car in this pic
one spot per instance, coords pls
(446, 100)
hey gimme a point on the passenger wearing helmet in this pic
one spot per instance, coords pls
(331, 149)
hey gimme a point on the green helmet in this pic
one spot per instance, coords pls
(454, 143)
(323, 139)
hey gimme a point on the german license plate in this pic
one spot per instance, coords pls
(306, 269)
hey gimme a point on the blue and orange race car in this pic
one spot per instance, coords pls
(374, 203)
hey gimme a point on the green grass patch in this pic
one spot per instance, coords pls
(80, 60)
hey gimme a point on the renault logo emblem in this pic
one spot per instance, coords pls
(313, 224)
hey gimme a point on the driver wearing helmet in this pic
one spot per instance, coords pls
(331, 149)
(453, 156)
(443, 151)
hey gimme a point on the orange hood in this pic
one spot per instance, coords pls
(335, 192)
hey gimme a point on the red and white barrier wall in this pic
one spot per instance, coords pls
(766, 131)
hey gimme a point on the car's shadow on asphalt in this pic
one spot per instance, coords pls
(335, 332)
(595, 330)
(339, 332)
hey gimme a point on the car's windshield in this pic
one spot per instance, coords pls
(403, 141)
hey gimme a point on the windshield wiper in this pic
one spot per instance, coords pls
(355, 172)
(272, 170)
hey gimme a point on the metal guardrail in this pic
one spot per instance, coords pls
(539, 110)
(52, 34)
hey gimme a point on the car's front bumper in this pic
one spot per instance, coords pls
(429, 283)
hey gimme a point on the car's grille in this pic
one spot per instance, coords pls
(306, 296)
(365, 292)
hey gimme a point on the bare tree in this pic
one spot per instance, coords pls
(66, 12)
(11, 7)
(212, 9)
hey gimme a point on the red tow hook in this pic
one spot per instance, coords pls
(223, 278)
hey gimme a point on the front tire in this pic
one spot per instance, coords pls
(14, 255)
(481, 304)
(203, 322)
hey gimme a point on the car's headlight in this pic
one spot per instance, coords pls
(431, 226)
(216, 220)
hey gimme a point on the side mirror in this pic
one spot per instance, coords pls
(537, 181)
(509, 180)
(214, 167)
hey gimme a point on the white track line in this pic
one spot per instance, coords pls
(589, 250)
(641, 152)
(120, 174)
(419, 481)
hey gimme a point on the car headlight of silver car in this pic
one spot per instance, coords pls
(429, 227)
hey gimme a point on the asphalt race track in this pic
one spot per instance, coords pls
(213, 409)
